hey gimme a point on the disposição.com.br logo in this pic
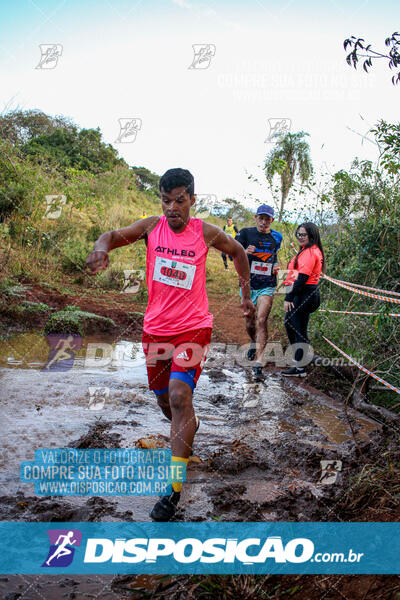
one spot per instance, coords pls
(188, 550)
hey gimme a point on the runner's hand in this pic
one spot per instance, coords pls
(250, 249)
(248, 308)
(97, 261)
(288, 306)
(275, 270)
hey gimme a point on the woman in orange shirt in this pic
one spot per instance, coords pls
(302, 294)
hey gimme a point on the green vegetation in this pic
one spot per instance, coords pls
(35, 307)
(75, 321)
(41, 156)
(363, 247)
(10, 290)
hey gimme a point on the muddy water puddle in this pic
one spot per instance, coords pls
(251, 435)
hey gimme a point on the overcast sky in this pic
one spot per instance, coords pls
(272, 60)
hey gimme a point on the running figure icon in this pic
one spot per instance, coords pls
(62, 550)
(62, 347)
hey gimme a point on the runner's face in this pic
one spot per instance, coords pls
(263, 223)
(302, 236)
(176, 207)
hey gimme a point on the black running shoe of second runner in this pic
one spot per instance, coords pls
(166, 507)
(258, 375)
(251, 353)
(294, 372)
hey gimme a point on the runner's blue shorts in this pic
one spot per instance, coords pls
(255, 294)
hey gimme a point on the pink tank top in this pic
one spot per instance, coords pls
(176, 280)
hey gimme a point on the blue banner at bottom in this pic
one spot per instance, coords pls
(202, 548)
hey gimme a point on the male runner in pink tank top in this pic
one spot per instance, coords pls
(177, 325)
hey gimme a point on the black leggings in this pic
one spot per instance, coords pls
(296, 320)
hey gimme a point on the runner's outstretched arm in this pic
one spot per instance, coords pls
(98, 259)
(215, 237)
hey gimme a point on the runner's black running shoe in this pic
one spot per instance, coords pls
(251, 353)
(166, 507)
(258, 375)
(294, 372)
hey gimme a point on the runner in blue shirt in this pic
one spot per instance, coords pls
(261, 244)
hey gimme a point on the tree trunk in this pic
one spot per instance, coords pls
(286, 183)
(284, 195)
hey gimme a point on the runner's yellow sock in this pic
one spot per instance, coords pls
(177, 485)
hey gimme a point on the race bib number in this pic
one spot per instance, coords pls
(261, 268)
(173, 272)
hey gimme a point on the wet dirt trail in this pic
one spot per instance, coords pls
(257, 454)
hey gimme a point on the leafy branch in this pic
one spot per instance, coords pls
(357, 45)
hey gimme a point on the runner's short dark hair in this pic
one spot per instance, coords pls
(174, 178)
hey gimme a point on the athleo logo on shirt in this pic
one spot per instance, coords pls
(173, 273)
(175, 252)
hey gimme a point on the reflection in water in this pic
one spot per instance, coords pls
(32, 351)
